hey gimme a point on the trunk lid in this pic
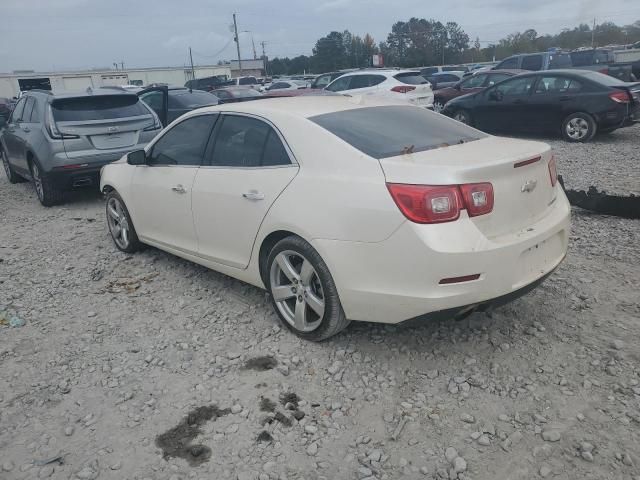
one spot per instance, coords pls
(522, 194)
(100, 122)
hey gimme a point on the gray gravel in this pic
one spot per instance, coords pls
(118, 349)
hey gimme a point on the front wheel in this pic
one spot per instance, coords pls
(579, 127)
(120, 225)
(463, 117)
(438, 105)
(303, 292)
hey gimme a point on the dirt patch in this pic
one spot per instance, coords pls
(261, 364)
(291, 398)
(177, 441)
(283, 419)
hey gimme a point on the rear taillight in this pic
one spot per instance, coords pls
(478, 198)
(620, 96)
(553, 172)
(604, 70)
(52, 128)
(403, 88)
(441, 203)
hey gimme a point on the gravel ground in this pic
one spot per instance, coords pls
(149, 367)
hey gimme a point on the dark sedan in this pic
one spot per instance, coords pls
(474, 83)
(170, 103)
(575, 103)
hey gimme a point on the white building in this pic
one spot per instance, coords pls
(12, 83)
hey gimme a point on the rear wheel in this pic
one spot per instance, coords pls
(579, 127)
(438, 105)
(120, 225)
(47, 192)
(303, 292)
(463, 117)
(11, 175)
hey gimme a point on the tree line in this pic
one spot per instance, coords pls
(419, 42)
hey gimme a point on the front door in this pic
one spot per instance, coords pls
(157, 98)
(505, 106)
(12, 142)
(248, 167)
(162, 189)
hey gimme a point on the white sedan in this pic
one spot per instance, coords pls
(344, 209)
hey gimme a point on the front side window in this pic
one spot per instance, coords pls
(496, 78)
(517, 86)
(322, 81)
(16, 115)
(185, 143)
(554, 85)
(475, 81)
(340, 84)
(153, 99)
(248, 81)
(508, 63)
(532, 62)
(247, 142)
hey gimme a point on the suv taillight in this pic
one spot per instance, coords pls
(620, 96)
(553, 172)
(403, 88)
(441, 203)
(52, 128)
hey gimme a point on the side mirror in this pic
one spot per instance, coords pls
(495, 95)
(137, 157)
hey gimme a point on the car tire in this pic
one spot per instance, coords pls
(12, 176)
(579, 127)
(438, 105)
(302, 290)
(463, 116)
(121, 228)
(47, 192)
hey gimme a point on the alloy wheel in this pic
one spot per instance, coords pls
(118, 223)
(460, 117)
(37, 181)
(438, 106)
(297, 291)
(577, 128)
(5, 163)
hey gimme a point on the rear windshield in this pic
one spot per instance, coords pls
(560, 60)
(193, 99)
(103, 107)
(410, 78)
(387, 131)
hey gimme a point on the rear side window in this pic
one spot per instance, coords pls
(560, 60)
(340, 84)
(247, 142)
(387, 131)
(185, 143)
(410, 78)
(553, 85)
(28, 109)
(102, 107)
(532, 62)
(425, 72)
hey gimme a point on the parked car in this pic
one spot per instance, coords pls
(575, 103)
(171, 102)
(208, 83)
(444, 79)
(60, 141)
(244, 81)
(396, 85)
(426, 218)
(536, 61)
(601, 60)
(428, 71)
(6, 105)
(236, 94)
(477, 82)
(287, 85)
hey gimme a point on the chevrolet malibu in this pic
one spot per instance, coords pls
(345, 209)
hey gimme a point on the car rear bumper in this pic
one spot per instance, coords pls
(400, 278)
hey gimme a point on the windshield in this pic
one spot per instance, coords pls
(103, 107)
(387, 131)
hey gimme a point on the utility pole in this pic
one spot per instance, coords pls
(235, 29)
(593, 33)
(122, 64)
(255, 57)
(193, 72)
(264, 58)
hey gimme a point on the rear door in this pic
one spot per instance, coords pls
(10, 136)
(554, 97)
(96, 126)
(157, 98)
(247, 168)
(162, 189)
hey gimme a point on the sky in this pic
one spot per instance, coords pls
(46, 35)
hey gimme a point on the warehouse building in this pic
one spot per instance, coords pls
(11, 84)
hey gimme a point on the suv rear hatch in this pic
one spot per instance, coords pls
(417, 88)
(98, 124)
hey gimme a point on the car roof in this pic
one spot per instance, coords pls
(513, 71)
(299, 106)
(380, 71)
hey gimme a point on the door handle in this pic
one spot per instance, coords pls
(253, 195)
(179, 189)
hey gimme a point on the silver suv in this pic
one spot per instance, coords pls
(60, 141)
